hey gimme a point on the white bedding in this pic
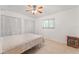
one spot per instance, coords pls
(20, 43)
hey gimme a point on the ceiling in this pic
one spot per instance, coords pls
(48, 9)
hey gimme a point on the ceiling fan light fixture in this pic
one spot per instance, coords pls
(35, 9)
(34, 12)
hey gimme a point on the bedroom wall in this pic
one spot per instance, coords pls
(77, 24)
(66, 23)
(0, 34)
(0, 23)
(13, 23)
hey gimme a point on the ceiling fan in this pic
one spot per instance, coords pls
(34, 9)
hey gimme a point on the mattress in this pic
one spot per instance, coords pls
(20, 43)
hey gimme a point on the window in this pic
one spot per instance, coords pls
(48, 24)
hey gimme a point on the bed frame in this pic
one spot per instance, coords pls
(37, 40)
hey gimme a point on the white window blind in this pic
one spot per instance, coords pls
(50, 23)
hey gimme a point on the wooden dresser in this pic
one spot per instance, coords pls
(73, 41)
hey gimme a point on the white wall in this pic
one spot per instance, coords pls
(0, 23)
(66, 23)
(15, 23)
(77, 23)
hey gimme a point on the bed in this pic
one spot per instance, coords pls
(17, 44)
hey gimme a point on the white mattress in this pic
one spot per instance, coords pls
(10, 42)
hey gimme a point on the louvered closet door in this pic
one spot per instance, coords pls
(28, 26)
(6, 30)
(10, 25)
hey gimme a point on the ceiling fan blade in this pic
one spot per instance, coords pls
(40, 7)
(29, 5)
(40, 11)
(28, 10)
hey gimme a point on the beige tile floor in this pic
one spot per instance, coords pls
(52, 47)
